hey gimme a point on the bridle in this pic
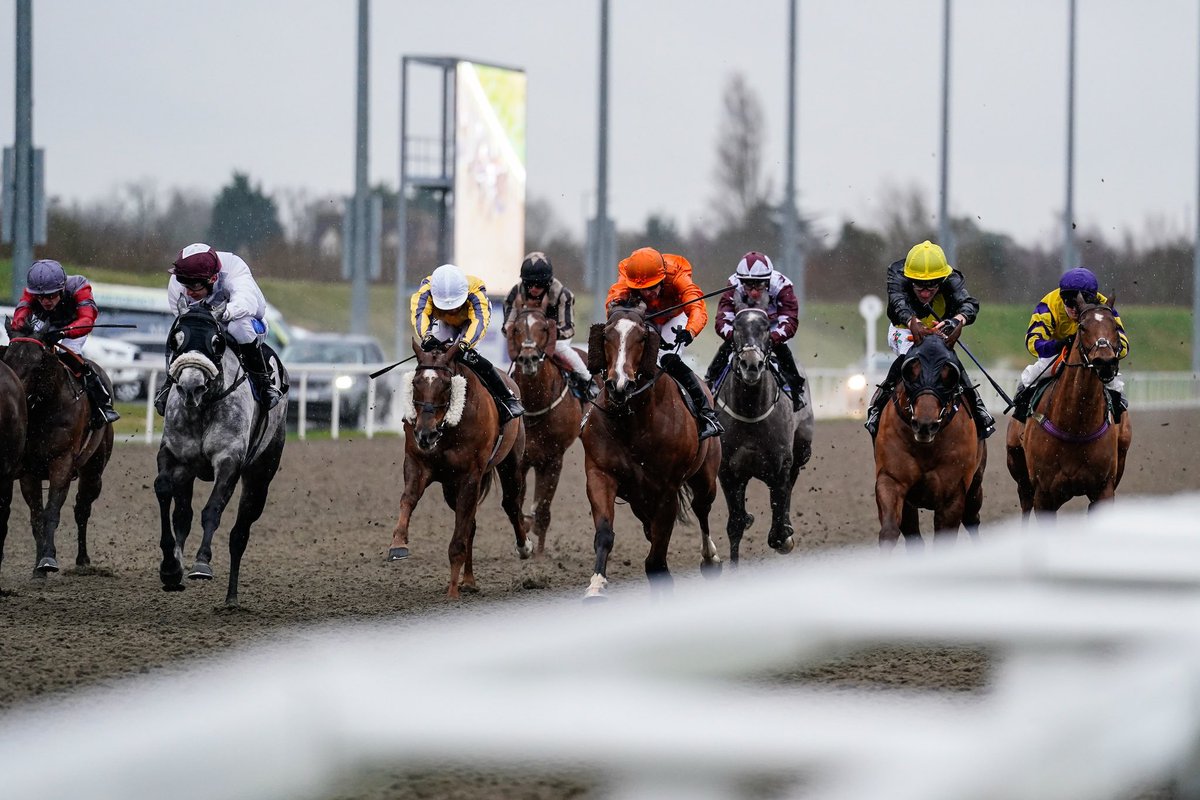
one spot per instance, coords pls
(1087, 353)
(948, 404)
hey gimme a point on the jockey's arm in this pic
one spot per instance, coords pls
(509, 303)
(566, 314)
(959, 301)
(697, 312)
(85, 313)
(787, 313)
(479, 312)
(726, 311)
(899, 310)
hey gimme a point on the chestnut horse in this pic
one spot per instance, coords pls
(1068, 447)
(452, 434)
(60, 444)
(552, 414)
(927, 452)
(13, 419)
(641, 444)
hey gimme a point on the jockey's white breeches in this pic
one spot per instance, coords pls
(570, 356)
(1041, 369)
(245, 330)
(899, 339)
(667, 335)
(75, 345)
(445, 332)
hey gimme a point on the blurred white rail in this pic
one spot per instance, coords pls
(1095, 690)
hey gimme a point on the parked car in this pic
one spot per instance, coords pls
(336, 348)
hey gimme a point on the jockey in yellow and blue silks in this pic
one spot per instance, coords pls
(1054, 321)
(451, 308)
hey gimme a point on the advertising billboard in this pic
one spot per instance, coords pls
(489, 174)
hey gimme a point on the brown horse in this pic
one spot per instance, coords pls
(1068, 447)
(452, 434)
(927, 452)
(552, 414)
(60, 445)
(13, 420)
(641, 444)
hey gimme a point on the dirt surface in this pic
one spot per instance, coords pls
(318, 555)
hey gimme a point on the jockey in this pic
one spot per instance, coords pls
(660, 281)
(451, 307)
(927, 296)
(204, 276)
(1054, 321)
(53, 300)
(538, 288)
(756, 284)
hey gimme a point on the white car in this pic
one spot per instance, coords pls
(121, 360)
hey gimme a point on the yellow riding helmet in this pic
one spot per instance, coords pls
(644, 268)
(926, 262)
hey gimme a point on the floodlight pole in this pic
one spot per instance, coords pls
(945, 236)
(23, 151)
(793, 253)
(1069, 210)
(1196, 259)
(359, 250)
(602, 247)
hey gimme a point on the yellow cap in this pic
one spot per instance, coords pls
(926, 262)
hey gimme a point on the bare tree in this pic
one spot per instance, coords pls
(740, 185)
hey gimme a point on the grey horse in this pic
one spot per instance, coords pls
(215, 430)
(764, 438)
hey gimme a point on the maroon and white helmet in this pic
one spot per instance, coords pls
(196, 262)
(755, 266)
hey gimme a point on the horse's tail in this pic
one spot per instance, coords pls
(485, 485)
(683, 516)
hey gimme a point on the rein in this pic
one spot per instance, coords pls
(1086, 363)
(728, 409)
(552, 406)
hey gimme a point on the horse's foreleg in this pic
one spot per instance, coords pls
(6, 493)
(255, 483)
(56, 496)
(910, 526)
(602, 494)
(547, 476)
(416, 481)
(780, 536)
(170, 571)
(466, 503)
(661, 526)
(1103, 497)
(735, 500)
(946, 521)
(703, 484)
(889, 499)
(227, 470)
(512, 498)
(90, 483)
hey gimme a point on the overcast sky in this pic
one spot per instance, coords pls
(184, 92)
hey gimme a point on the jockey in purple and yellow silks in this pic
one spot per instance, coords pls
(1054, 321)
(451, 308)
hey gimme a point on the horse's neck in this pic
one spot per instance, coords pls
(1077, 404)
(751, 399)
(543, 386)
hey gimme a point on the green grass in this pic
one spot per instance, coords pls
(831, 334)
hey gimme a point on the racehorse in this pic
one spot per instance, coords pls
(215, 430)
(641, 444)
(1068, 447)
(60, 444)
(552, 415)
(927, 452)
(13, 419)
(452, 434)
(764, 438)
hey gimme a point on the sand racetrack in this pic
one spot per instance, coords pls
(318, 555)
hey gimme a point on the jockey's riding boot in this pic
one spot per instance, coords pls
(97, 392)
(1119, 404)
(255, 364)
(160, 398)
(791, 373)
(583, 386)
(983, 418)
(706, 416)
(719, 362)
(1020, 403)
(882, 393)
(506, 402)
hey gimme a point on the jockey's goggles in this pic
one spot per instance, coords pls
(750, 284)
(1069, 296)
(927, 286)
(196, 286)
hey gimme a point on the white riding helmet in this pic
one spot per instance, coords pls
(449, 287)
(755, 266)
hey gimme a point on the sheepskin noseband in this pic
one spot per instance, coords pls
(458, 399)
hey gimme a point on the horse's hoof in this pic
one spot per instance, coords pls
(595, 599)
(200, 572)
(173, 587)
(597, 590)
(47, 565)
(749, 520)
(786, 546)
(526, 551)
(397, 554)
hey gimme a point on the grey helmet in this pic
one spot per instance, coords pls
(46, 277)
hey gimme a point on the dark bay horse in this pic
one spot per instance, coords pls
(927, 452)
(60, 444)
(1068, 447)
(641, 444)
(213, 430)
(13, 421)
(452, 435)
(764, 438)
(552, 413)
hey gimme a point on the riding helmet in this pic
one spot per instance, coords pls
(755, 266)
(536, 270)
(448, 286)
(644, 268)
(196, 262)
(926, 262)
(46, 277)
(1080, 279)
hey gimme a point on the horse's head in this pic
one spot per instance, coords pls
(1098, 341)
(630, 351)
(433, 397)
(752, 343)
(530, 338)
(31, 356)
(931, 380)
(195, 349)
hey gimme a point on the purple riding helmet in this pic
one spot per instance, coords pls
(1079, 281)
(46, 277)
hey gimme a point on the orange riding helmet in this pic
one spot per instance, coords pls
(644, 268)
